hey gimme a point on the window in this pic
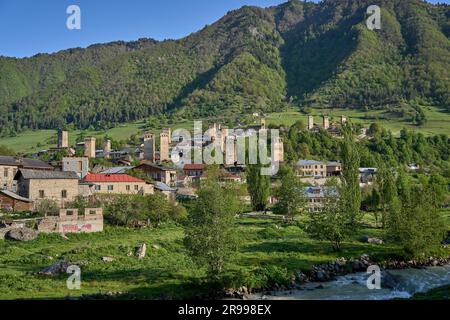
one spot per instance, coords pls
(64, 194)
(110, 187)
(98, 187)
(128, 188)
(41, 194)
(136, 187)
(6, 172)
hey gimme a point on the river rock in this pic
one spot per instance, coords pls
(22, 234)
(108, 259)
(142, 250)
(389, 281)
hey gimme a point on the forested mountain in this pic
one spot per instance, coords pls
(253, 59)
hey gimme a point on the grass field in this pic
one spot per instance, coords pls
(32, 141)
(164, 272)
(438, 123)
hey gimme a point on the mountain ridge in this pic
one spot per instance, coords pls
(252, 59)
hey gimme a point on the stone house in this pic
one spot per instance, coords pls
(194, 169)
(10, 165)
(318, 169)
(166, 175)
(117, 184)
(80, 165)
(37, 185)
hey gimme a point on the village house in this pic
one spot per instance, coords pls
(80, 165)
(10, 165)
(317, 196)
(169, 192)
(166, 175)
(117, 184)
(37, 185)
(194, 169)
(318, 169)
(10, 201)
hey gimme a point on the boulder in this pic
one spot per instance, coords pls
(142, 250)
(155, 246)
(108, 259)
(372, 240)
(22, 234)
(56, 268)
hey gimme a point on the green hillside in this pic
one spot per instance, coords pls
(297, 54)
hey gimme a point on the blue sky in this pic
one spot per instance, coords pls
(28, 27)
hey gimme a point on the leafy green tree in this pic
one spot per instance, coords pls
(350, 191)
(5, 151)
(418, 226)
(211, 236)
(156, 208)
(386, 181)
(47, 207)
(332, 223)
(258, 187)
(291, 195)
(123, 210)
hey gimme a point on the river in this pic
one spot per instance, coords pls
(403, 284)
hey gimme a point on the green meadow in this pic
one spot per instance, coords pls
(437, 123)
(167, 271)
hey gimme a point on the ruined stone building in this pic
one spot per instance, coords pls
(72, 221)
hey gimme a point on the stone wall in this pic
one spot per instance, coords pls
(71, 221)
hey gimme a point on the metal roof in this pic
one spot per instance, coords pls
(15, 196)
(117, 170)
(24, 163)
(46, 174)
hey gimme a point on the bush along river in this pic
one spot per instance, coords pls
(347, 280)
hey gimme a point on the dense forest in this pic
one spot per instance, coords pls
(252, 59)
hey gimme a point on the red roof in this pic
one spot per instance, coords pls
(101, 177)
(194, 166)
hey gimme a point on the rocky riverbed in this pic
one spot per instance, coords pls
(347, 279)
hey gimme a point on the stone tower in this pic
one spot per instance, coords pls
(326, 122)
(107, 148)
(278, 150)
(224, 131)
(310, 122)
(164, 146)
(149, 147)
(230, 150)
(89, 147)
(169, 132)
(63, 139)
(263, 123)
